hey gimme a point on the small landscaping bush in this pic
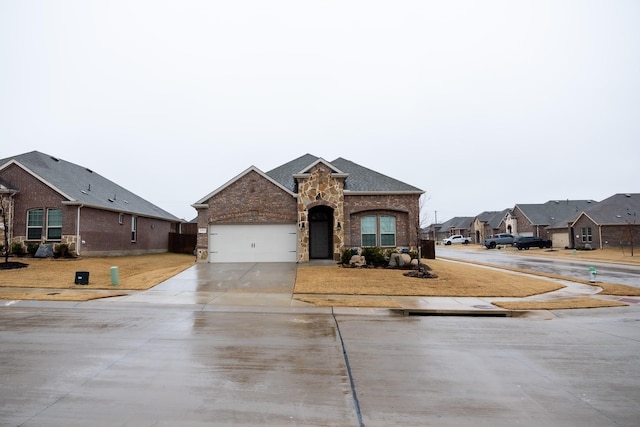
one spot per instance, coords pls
(346, 256)
(374, 256)
(32, 248)
(17, 249)
(61, 251)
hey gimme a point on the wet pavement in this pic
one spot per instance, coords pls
(228, 345)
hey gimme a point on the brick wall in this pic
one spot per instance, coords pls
(252, 199)
(100, 230)
(404, 207)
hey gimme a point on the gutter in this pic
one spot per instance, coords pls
(78, 241)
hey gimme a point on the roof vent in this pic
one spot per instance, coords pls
(54, 159)
(89, 170)
(627, 195)
(618, 216)
(83, 192)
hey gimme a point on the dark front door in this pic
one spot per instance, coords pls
(320, 228)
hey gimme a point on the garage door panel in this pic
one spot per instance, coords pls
(253, 243)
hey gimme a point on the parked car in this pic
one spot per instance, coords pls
(457, 238)
(535, 242)
(498, 239)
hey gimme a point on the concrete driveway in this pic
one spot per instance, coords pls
(225, 284)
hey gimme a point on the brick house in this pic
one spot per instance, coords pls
(614, 222)
(305, 209)
(49, 200)
(489, 223)
(542, 219)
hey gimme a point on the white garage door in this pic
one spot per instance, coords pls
(253, 243)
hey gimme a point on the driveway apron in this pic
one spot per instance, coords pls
(250, 284)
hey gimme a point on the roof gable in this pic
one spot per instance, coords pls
(206, 198)
(619, 209)
(358, 179)
(82, 186)
(554, 211)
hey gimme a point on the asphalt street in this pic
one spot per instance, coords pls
(128, 364)
(607, 272)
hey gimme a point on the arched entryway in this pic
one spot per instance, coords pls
(321, 232)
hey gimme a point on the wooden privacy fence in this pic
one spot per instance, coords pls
(182, 243)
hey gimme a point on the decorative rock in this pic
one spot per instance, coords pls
(44, 251)
(358, 261)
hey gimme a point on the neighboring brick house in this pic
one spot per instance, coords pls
(490, 223)
(53, 201)
(456, 225)
(535, 219)
(614, 222)
(306, 209)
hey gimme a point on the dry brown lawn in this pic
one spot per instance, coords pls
(453, 280)
(53, 279)
(582, 302)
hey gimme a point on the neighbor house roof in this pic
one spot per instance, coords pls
(358, 178)
(619, 209)
(493, 218)
(457, 223)
(554, 211)
(80, 185)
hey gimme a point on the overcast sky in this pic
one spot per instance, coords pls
(482, 104)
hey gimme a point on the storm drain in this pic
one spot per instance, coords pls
(480, 312)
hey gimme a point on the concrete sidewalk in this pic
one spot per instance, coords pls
(215, 286)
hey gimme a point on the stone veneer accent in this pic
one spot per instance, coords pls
(320, 188)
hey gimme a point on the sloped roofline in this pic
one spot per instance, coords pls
(38, 177)
(583, 213)
(202, 202)
(304, 172)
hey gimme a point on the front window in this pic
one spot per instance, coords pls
(368, 230)
(586, 234)
(54, 224)
(378, 230)
(134, 225)
(387, 231)
(34, 224)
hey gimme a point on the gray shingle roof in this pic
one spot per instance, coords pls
(84, 186)
(457, 223)
(619, 209)
(360, 179)
(493, 218)
(554, 211)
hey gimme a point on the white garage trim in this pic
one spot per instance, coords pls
(253, 243)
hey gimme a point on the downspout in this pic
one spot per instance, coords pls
(600, 235)
(78, 241)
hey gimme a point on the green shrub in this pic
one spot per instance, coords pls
(32, 248)
(346, 256)
(389, 252)
(17, 249)
(61, 251)
(374, 255)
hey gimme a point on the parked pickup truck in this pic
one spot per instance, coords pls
(532, 242)
(498, 239)
(458, 238)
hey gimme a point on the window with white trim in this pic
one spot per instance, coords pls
(35, 219)
(368, 230)
(376, 230)
(134, 226)
(387, 231)
(54, 224)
